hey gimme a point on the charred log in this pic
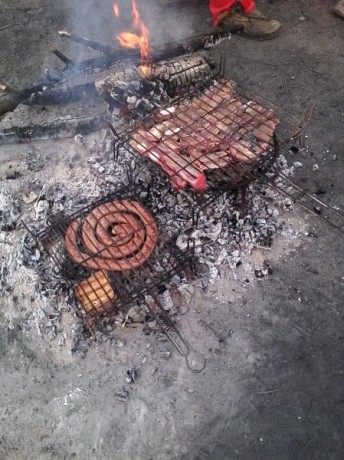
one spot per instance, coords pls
(66, 127)
(69, 63)
(65, 94)
(140, 90)
(11, 98)
(178, 73)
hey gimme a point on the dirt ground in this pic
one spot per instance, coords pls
(273, 387)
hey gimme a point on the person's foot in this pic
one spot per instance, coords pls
(253, 25)
(339, 9)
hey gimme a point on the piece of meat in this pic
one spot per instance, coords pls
(214, 131)
(210, 160)
(167, 157)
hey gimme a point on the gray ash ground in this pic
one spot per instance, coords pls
(220, 237)
(273, 385)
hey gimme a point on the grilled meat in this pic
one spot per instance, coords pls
(210, 132)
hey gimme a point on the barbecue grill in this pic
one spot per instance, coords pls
(209, 139)
(113, 254)
(212, 139)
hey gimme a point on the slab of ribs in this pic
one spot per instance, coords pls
(218, 130)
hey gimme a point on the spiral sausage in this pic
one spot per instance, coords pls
(116, 236)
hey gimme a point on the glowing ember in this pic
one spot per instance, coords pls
(145, 71)
(140, 39)
(116, 9)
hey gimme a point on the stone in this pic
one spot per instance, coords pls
(122, 395)
(136, 314)
(29, 197)
(165, 354)
(259, 274)
(166, 300)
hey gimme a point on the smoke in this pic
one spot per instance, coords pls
(167, 20)
(172, 20)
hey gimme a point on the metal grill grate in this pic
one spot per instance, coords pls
(211, 140)
(113, 252)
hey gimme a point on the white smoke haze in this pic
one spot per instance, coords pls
(167, 21)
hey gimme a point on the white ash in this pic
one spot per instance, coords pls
(222, 236)
(140, 97)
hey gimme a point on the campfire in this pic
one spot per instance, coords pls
(188, 143)
(140, 39)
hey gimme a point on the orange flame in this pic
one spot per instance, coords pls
(144, 44)
(116, 9)
(138, 40)
(129, 40)
(145, 71)
(136, 14)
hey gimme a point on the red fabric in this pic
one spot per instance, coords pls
(219, 6)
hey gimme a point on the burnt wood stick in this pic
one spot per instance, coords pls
(168, 51)
(55, 129)
(64, 58)
(107, 50)
(191, 44)
(11, 100)
(65, 94)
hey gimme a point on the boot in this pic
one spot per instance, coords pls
(253, 25)
(339, 9)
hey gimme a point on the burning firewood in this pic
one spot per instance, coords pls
(178, 72)
(10, 100)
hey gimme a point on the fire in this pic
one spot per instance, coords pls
(116, 9)
(140, 39)
(128, 40)
(145, 71)
(144, 44)
(136, 14)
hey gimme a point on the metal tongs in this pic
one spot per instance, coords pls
(194, 359)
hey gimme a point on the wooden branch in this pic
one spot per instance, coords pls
(86, 42)
(9, 25)
(13, 97)
(65, 94)
(191, 45)
(65, 127)
(110, 57)
(64, 58)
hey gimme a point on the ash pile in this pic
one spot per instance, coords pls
(224, 233)
(222, 237)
